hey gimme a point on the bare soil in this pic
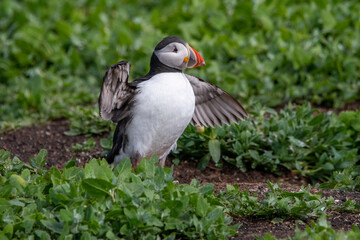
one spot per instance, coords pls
(25, 143)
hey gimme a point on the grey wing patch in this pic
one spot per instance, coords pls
(116, 93)
(214, 106)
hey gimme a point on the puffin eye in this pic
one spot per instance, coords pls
(175, 50)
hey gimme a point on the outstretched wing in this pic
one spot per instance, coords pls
(116, 94)
(214, 106)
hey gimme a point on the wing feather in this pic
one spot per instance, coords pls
(220, 116)
(214, 106)
(215, 120)
(224, 111)
(205, 116)
(200, 119)
(116, 94)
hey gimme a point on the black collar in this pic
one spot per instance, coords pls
(157, 67)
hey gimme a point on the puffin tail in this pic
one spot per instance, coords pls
(118, 141)
(110, 157)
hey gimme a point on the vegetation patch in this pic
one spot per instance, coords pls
(98, 201)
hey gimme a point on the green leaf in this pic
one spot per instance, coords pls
(40, 159)
(206, 189)
(316, 120)
(130, 213)
(328, 20)
(296, 142)
(73, 173)
(97, 187)
(17, 202)
(4, 204)
(147, 167)
(201, 206)
(123, 168)
(8, 230)
(66, 216)
(87, 146)
(135, 189)
(254, 154)
(204, 161)
(42, 235)
(98, 169)
(53, 226)
(149, 194)
(175, 207)
(18, 182)
(215, 151)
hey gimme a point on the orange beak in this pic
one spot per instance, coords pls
(195, 60)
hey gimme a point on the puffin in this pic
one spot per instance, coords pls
(153, 111)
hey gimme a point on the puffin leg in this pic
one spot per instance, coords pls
(162, 160)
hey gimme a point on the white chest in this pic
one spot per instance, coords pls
(164, 106)
(164, 95)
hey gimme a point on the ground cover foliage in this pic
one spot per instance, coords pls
(320, 230)
(100, 202)
(96, 202)
(265, 53)
(319, 146)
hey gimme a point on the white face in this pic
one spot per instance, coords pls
(173, 55)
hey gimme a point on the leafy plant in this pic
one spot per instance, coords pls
(85, 120)
(98, 202)
(298, 138)
(320, 230)
(276, 203)
(87, 146)
(348, 179)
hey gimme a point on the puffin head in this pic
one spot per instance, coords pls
(175, 53)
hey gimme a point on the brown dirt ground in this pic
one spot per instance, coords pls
(26, 142)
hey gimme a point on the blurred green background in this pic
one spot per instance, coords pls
(54, 53)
